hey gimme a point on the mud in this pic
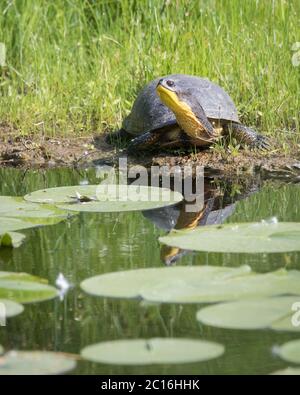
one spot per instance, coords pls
(42, 152)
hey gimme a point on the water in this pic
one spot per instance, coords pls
(92, 244)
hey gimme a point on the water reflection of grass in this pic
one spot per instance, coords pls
(76, 68)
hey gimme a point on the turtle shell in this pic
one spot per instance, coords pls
(149, 113)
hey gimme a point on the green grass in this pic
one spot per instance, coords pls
(74, 67)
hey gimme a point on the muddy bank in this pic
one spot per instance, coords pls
(244, 163)
(43, 152)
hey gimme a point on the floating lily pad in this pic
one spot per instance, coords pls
(14, 224)
(182, 284)
(287, 372)
(249, 314)
(290, 351)
(17, 207)
(24, 288)
(22, 277)
(152, 351)
(8, 309)
(286, 324)
(61, 194)
(134, 283)
(254, 285)
(106, 198)
(35, 363)
(11, 239)
(238, 238)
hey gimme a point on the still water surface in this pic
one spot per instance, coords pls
(91, 244)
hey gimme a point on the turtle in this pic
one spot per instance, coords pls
(180, 110)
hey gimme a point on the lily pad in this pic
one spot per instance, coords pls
(134, 283)
(249, 314)
(8, 309)
(61, 194)
(254, 285)
(286, 324)
(24, 288)
(238, 238)
(182, 284)
(11, 239)
(152, 351)
(20, 276)
(14, 224)
(287, 372)
(17, 207)
(106, 198)
(290, 351)
(35, 363)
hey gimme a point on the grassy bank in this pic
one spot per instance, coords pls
(75, 66)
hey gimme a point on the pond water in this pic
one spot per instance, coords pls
(91, 244)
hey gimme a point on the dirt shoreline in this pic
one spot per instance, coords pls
(46, 152)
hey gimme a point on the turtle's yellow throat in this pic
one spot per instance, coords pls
(183, 113)
(171, 100)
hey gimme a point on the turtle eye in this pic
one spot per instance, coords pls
(170, 83)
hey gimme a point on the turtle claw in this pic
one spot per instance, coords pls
(261, 143)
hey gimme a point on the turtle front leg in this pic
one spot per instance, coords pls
(247, 136)
(166, 137)
(146, 141)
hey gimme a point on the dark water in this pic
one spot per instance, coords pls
(92, 244)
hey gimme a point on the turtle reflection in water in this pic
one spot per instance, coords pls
(219, 203)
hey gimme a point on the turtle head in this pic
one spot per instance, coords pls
(183, 102)
(172, 93)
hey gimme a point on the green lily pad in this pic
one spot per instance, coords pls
(14, 224)
(286, 324)
(22, 277)
(152, 351)
(17, 207)
(253, 285)
(11, 239)
(287, 372)
(61, 194)
(183, 284)
(106, 198)
(238, 238)
(134, 283)
(249, 314)
(290, 351)
(35, 363)
(8, 309)
(24, 288)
